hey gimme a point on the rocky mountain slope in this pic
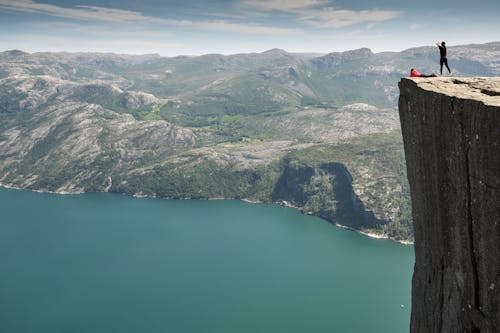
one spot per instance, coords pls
(219, 126)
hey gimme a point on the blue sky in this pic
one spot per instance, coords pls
(195, 27)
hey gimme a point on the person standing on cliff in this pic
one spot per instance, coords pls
(443, 59)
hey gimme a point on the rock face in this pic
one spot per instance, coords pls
(451, 132)
(336, 201)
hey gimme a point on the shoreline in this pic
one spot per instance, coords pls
(375, 235)
(10, 187)
(250, 201)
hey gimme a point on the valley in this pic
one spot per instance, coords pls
(318, 132)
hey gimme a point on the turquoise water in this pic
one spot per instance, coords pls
(110, 263)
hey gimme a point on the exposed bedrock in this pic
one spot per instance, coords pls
(451, 132)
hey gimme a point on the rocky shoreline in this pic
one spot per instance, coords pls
(370, 234)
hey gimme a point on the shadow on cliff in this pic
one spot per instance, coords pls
(324, 190)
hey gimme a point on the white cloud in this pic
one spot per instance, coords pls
(331, 17)
(79, 12)
(113, 15)
(244, 28)
(318, 14)
(100, 30)
(284, 5)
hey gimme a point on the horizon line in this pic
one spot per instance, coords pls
(238, 53)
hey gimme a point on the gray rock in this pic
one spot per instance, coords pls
(135, 100)
(451, 131)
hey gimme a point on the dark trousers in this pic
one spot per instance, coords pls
(445, 62)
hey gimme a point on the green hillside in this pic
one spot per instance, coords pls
(320, 133)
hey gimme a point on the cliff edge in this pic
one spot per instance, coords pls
(451, 133)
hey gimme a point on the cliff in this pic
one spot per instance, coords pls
(324, 190)
(451, 133)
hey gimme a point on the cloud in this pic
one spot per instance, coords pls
(100, 30)
(284, 5)
(318, 14)
(331, 17)
(244, 28)
(114, 15)
(78, 12)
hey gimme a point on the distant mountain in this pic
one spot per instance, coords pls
(316, 132)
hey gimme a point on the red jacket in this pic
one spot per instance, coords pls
(415, 73)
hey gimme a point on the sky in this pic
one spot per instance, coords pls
(194, 27)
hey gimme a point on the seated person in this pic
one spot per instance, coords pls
(415, 73)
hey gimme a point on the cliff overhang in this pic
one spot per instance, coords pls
(451, 134)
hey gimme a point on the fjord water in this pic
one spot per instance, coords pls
(110, 263)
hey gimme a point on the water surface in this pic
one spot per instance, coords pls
(110, 263)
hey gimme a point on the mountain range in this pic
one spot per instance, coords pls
(319, 132)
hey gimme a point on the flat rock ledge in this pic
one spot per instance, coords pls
(481, 89)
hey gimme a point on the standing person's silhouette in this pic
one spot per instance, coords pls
(443, 59)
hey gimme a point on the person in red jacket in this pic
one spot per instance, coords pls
(415, 73)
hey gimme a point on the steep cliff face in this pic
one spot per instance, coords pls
(324, 190)
(451, 132)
